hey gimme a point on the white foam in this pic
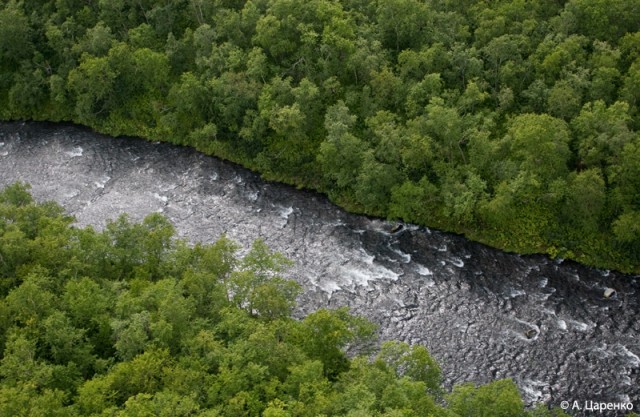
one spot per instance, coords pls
(583, 327)
(543, 282)
(562, 325)
(329, 287)
(541, 297)
(634, 360)
(513, 293)
(5, 153)
(532, 325)
(387, 274)
(531, 390)
(366, 258)
(357, 276)
(253, 196)
(285, 212)
(77, 151)
(423, 270)
(618, 350)
(1, 144)
(162, 198)
(528, 323)
(102, 181)
(71, 194)
(457, 262)
(380, 227)
(521, 336)
(406, 258)
(214, 176)
(362, 275)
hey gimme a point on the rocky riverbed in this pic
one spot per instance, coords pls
(483, 313)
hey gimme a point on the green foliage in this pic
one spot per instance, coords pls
(537, 145)
(16, 34)
(497, 399)
(412, 362)
(379, 105)
(132, 322)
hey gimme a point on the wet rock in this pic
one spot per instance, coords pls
(609, 292)
(473, 307)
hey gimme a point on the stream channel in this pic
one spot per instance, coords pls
(483, 314)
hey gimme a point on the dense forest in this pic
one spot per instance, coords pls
(513, 122)
(130, 321)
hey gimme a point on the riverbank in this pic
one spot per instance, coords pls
(472, 306)
(514, 124)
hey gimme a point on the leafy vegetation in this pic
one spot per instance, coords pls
(513, 122)
(131, 322)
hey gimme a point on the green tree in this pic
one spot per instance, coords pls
(602, 133)
(564, 101)
(374, 183)
(497, 399)
(138, 250)
(625, 176)
(92, 86)
(414, 362)
(16, 42)
(341, 154)
(96, 41)
(539, 145)
(257, 286)
(404, 24)
(631, 84)
(445, 124)
(500, 53)
(161, 404)
(585, 201)
(461, 196)
(604, 20)
(326, 333)
(414, 201)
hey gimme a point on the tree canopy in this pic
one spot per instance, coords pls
(483, 118)
(129, 321)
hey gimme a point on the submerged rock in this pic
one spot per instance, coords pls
(475, 316)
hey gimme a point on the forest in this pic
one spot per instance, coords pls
(513, 122)
(132, 322)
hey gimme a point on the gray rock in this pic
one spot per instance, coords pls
(469, 304)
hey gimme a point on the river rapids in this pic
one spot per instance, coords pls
(484, 314)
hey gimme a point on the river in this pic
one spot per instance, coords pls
(483, 314)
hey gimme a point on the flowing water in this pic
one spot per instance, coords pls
(484, 314)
